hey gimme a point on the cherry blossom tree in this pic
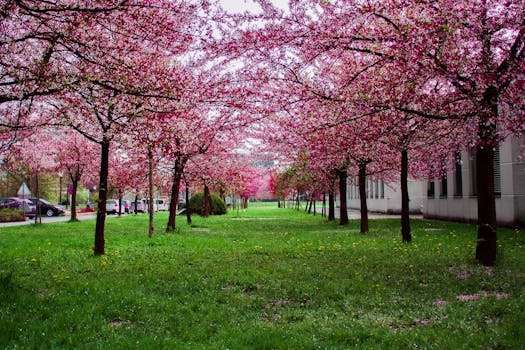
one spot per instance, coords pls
(77, 156)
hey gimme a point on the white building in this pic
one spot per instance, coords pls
(454, 197)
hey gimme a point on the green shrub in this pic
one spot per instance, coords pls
(217, 204)
(10, 215)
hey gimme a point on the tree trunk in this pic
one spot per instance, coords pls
(175, 187)
(119, 202)
(314, 206)
(206, 202)
(486, 245)
(188, 211)
(74, 184)
(102, 196)
(331, 205)
(38, 216)
(343, 208)
(151, 228)
(323, 211)
(362, 196)
(405, 218)
(135, 206)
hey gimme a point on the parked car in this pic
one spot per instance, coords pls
(47, 208)
(161, 205)
(17, 203)
(112, 206)
(141, 206)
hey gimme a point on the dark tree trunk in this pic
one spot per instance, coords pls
(151, 210)
(331, 205)
(405, 218)
(102, 196)
(323, 210)
(486, 246)
(38, 216)
(174, 199)
(487, 224)
(74, 184)
(362, 196)
(314, 206)
(188, 210)
(135, 207)
(119, 202)
(343, 208)
(206, 202)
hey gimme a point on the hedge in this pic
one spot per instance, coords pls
(217, 204)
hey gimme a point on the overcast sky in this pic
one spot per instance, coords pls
(243, 5)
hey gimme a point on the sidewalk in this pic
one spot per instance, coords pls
(355, 214)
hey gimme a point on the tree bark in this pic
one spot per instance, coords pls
(74, 184)
(151, 228)
(486, 245)
(188, 210)
(119, 202)
(331, 205)
(206, 202)
(178, 169)
(102, 196)
(362, 196)
(405, 218)
(38, 216)
(343, 208)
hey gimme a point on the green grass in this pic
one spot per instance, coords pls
(265, 278)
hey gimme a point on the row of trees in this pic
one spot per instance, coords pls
(389, 88)
(375, 88)
(122, 87)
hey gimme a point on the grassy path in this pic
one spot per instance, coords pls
(265, 278)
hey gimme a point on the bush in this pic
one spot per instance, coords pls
(217, 204)
(10, 215)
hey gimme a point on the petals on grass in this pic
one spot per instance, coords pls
(467, 297)
(463, 275)
(502, 295)
(439, 302)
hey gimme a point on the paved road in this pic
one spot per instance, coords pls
(80, 216)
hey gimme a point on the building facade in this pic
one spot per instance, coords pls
(454, 196)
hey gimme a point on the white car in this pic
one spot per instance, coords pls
(161, 205)
(112, 206)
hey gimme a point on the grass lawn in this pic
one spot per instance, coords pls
(265, 278)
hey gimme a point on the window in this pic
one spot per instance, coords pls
(473, 179)
(444, 189)
(431, 191)
(458, 178)
(497, 172)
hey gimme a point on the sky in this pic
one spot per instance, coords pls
(234, 6)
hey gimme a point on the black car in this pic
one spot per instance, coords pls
(47, 208)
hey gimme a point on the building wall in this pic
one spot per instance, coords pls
(449, 204)
(510, 203)
(386, 198)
